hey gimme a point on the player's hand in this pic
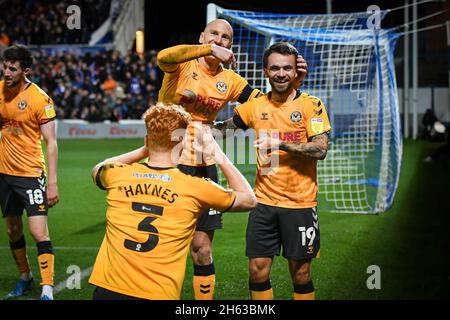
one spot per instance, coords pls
(204, 142)
(267, 143)
(52, 194)
(223, 54)
(302, 70)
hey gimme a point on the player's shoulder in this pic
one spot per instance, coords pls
(232, 75)
(195, 183)
(258, 101)
(308, 100)
(38, 94)
(230, 72)
(115, 166)
(309, 97)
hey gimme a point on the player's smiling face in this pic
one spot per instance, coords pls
(281, 71)
(218, 32)
(13, 73)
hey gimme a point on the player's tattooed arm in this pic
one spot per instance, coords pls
(317, 148)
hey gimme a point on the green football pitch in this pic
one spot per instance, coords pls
(409, 242)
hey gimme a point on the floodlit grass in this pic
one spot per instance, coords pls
(409, 243)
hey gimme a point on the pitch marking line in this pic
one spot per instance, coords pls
(63, 284)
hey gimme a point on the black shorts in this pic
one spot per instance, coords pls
(19, 193)
(210, 219)
(105, 294)
(296, 230)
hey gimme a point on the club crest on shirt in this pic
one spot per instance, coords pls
(221, 86)
(22, 104)
(296, 116)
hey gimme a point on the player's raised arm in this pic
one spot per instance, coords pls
(126, 158)
(169, 59)
(230, 125)
(245, 197)
(316, 148)
(205, 143)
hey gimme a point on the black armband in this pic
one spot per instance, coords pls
(238, 122)
(97, 178)
(246, 93)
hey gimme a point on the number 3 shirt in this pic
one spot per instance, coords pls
(151, 218)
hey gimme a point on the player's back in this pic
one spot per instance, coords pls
(151, 217)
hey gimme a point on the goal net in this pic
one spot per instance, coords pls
(351, 69)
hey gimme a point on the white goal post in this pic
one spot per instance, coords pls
(351, 69)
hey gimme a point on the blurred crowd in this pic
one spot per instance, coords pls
(98, 87)
(33, 22)
(90, 86)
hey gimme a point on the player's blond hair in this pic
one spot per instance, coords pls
(161, 121)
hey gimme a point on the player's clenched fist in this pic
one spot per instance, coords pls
(52, 194)
(223, 54)
(302, 68)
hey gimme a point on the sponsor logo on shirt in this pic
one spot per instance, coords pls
(153, 176)
(294, 136)
(203, 105)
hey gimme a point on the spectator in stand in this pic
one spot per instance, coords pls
(4, 40)
(125, 83)
(44, 22)
(109, 84)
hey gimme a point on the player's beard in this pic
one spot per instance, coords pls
(11, 83)
(281, 88)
